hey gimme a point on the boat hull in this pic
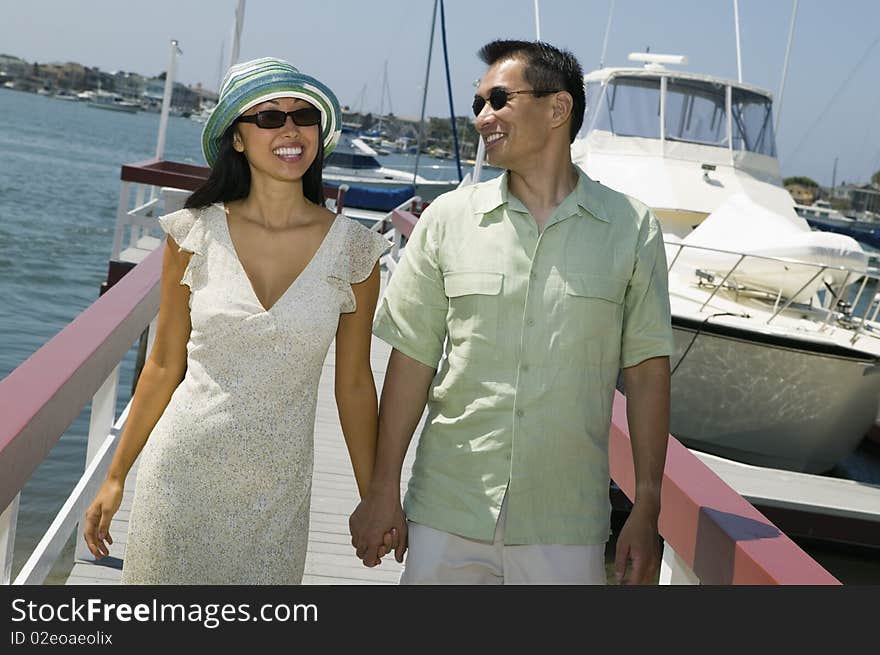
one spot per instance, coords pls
(770, 404)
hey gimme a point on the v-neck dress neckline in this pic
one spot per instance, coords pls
(247, 278)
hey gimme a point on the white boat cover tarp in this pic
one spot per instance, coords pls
(742, 225)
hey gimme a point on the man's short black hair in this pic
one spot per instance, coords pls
(546, 67)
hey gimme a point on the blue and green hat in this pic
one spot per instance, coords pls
(252, 82)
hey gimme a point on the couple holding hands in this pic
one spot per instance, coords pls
(516, 304)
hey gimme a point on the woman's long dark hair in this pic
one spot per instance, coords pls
(230, 177)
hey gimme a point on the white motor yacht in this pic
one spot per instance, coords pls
(776, 360)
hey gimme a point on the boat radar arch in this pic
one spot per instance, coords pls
(657, 61)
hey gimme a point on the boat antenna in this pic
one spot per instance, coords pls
(537, 21)
(236, 32)
(425, 93)
(739, 67)
(449, 90)
(784, 70)
(607, 32)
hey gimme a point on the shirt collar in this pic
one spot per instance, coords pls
(492, 194)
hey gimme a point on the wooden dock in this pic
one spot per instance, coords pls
(331, 559)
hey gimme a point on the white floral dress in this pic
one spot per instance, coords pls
(224, 483)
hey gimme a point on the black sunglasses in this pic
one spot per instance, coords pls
(499, 96)
(274, 118)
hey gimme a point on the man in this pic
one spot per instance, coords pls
(516, 304)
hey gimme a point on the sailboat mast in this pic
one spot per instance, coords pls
(236, 33)
(425, 93)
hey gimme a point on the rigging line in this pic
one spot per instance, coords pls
(449, 89)
(697, 333)
(834, 98)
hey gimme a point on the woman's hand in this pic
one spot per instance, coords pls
(98, 516)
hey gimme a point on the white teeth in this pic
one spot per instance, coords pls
(493, 137)
(287, 152)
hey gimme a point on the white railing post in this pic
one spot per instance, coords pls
(101, 419)
(674, 570)
(8, 520)
(121, 218)
(136, 230)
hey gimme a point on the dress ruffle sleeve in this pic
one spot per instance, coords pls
(360, 250)
(187, 228)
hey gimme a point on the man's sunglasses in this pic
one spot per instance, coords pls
(274, 118)
(499, 96)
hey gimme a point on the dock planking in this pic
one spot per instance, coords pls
(330, 559)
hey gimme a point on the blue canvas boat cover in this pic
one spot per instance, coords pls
(376, 199)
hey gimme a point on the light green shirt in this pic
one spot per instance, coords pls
(528, 332)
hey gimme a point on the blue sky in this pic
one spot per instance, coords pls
(828, 110)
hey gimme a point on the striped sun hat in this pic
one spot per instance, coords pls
(252, 82)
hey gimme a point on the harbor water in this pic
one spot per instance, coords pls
(59, 188)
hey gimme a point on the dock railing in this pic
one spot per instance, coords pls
(712, 535)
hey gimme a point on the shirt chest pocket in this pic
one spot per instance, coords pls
(472, 318)
(592, 307)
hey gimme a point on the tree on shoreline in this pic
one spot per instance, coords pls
(802, 180)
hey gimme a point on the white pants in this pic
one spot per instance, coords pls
(436, 557)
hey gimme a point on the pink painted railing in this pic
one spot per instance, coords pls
(45, 394)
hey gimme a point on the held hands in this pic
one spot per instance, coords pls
(377, 527)
(98, 516)
(638, 544)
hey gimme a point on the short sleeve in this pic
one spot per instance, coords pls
(187, 228)
(647, 329)
(361, 249)
(178, 224)
(412, 314)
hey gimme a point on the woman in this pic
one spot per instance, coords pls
(257, 280)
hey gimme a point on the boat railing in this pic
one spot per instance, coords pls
(711, 534)
(840, 302)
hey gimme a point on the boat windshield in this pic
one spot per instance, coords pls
(629, 107)
(695, 112)
(752, 122)
(351, 160)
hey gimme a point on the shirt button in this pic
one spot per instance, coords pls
(534, 276)
(520, 413)
(530, 322)
(525, 368)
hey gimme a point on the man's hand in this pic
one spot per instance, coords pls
(377, 526)
(638, 543)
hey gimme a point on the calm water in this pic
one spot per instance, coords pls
(59, 186)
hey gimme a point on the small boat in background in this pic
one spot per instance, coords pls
(354, 163)
(113, 102)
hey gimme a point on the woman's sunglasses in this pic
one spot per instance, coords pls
(499, 96)
(274, 118)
